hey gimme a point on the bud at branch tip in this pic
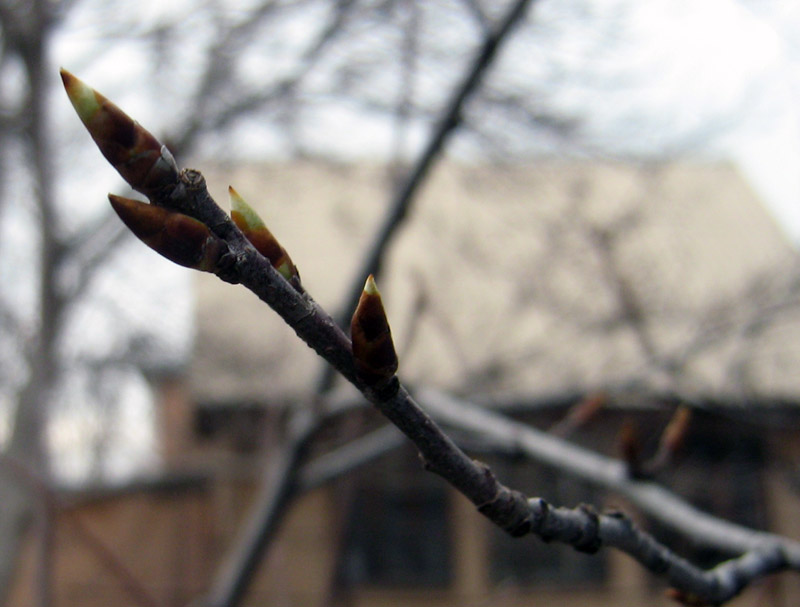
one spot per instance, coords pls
(373, 349)
(140, 158)
(371, 287)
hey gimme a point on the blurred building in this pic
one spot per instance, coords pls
(526, 282)
(527, 288)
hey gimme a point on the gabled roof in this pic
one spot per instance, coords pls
(525, 282)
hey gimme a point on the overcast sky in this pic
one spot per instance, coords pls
(733, 53)
(724, 74)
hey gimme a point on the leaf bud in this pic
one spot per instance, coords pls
(256, 231)
(138, 156)
(373, 350)
(674, 435)
(178, 237)
(630, 447)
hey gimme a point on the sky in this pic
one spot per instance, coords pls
(751, 58)
(719, 77)
(716, 76)
(768, 149)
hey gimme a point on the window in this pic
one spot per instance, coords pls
(397, 532)
(720, 473)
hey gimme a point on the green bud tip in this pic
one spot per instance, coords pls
(82, 96)
(245, 211)
(370, 287)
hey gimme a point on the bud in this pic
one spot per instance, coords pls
(178, 237)
(373, 349)
(674, 434)
(256, 231)
(138, 156)
(580, 414)
(689, 599)
(630, 447)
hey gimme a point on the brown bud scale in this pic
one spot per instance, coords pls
(256, 231)
(262, 239)
(178, 237)
(674, 434)
(373, 349)
(131, 149)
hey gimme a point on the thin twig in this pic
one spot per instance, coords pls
(760, 552)
(602, 471)
(108, 559)
(286, 476)
(349, 457)
(401, 203)
(235, 260)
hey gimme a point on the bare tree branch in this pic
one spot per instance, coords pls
(26, 32)
(450, 120)
(51, 504)
(657, 501)
(225, 250)
(514, 513)
(218, 75)
(349, 457)
(235, 260)
(83, 255)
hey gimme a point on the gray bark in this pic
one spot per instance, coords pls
(27, 27)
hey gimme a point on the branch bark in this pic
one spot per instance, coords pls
(32, 25)
(760, 552)
(50, 504)
(269, 509)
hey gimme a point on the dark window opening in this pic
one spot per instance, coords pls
(721, 473)
(397, 531)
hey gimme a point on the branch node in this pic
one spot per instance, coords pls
(590, 541)
(383, 392)
(507, 508)
(540, 510)
(226, 267)
(193, 179)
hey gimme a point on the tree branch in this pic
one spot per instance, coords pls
(349, 457)
(758, 549)
(509, 509)
(450, 120)
(50, 502)
(601, 471)
(287, 476)
(217, 244)
(219, 76)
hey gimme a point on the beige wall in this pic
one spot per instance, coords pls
(171, 542)
(161, 539)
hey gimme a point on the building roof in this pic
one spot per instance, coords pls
(525, 282)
